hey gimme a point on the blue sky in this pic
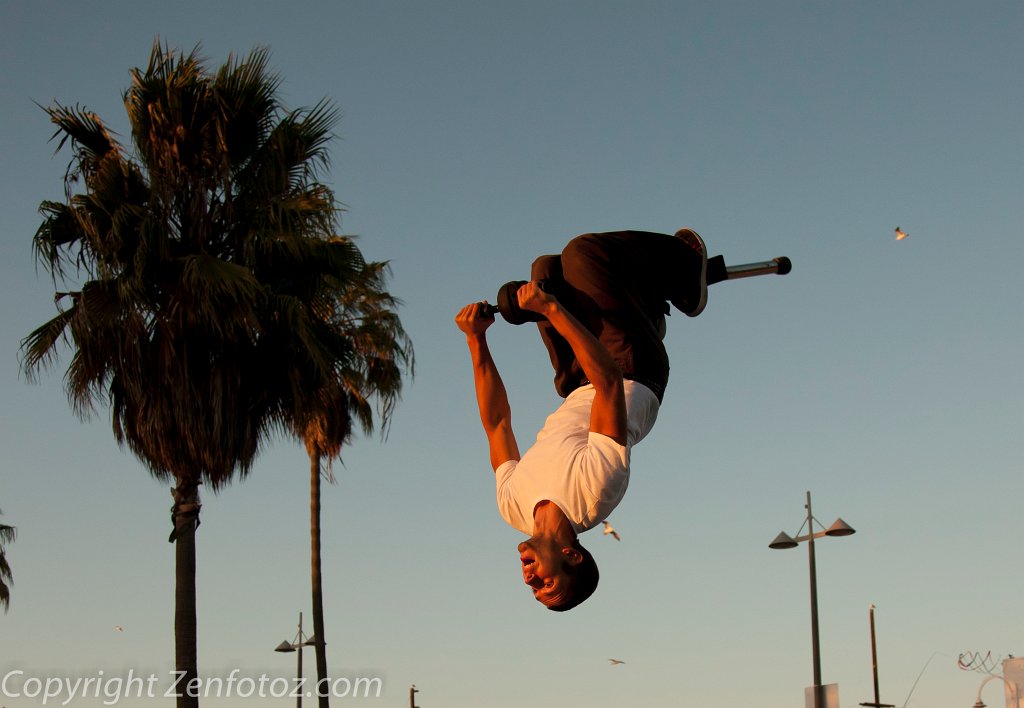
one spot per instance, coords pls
(882, 376)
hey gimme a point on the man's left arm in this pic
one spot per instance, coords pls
(608, 415)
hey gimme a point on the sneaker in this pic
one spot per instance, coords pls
(695, 297)
(508, 304)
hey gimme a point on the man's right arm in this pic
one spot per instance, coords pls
(608, 413)
(491, 397)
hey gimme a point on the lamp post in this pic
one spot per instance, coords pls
(784, 540)
(301, 640)
(1011, 690)
(874, 663)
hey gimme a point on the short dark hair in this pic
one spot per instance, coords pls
(582, 580)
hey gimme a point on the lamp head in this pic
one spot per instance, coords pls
(783, 540)
(840, 528)
(284, 646)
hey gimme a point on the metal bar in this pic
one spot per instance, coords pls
(780, 266)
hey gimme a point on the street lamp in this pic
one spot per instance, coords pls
(300, 641)
(1011, 690)
(784, 540)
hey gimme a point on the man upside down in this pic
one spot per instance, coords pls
(600, 307)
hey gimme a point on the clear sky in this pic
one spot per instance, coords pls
(883, 376)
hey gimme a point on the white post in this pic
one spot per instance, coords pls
(1013, 684)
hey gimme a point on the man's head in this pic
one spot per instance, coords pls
(561, 576)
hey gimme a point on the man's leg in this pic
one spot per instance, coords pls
(568, 373)
(623, 282)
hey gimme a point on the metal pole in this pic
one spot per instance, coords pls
(874, 656)
(874, 664)
(298, 650)
(815, 650)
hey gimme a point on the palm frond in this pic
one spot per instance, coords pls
(245, 92)
(8, 534)
(101, 328)
(316, 132)
(90, 138)
(38, 349)
(169, 108)
(294, 151)
(218, 296)
(54, 237)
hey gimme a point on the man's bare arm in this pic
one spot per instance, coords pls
(608, 415)
(491, 397)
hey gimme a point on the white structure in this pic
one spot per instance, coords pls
(828, 696)
(1013, 684)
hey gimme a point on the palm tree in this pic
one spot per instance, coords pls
(372, 350)
(192, 253)
(7, 535)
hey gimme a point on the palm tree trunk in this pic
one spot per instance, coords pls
(186, 517)
(7, 535)
(318, 595)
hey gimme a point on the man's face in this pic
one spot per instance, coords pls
(544, 569)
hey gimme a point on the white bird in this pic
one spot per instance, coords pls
(616, 662)
(119, 628)
(900, 234)
(609, 530)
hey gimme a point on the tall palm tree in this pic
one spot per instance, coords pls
(7, 535)
(372, 350)
(181, 270)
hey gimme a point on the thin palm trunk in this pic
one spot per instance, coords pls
(7, 535)
(318, 595)
(186, 660)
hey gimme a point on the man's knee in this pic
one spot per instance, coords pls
(546, 268)
(584, 245)
(587, 262)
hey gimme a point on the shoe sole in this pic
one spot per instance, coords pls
(692, 239)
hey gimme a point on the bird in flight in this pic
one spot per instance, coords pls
(616, 662)
(608, 530)
(119, 628)
(900, 234)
